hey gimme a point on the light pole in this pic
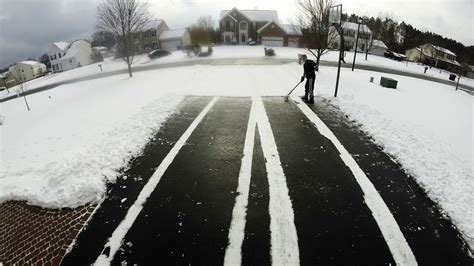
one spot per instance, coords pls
(359, 21)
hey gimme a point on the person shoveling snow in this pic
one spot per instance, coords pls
(309, 67)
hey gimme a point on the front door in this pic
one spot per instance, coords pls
(243, 38)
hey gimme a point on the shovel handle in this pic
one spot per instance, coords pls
(293, 88)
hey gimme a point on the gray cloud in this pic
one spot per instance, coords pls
(28, 27)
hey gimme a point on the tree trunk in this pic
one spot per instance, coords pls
(318, 58)
(129, 65)
(317, 62)
(366, 53)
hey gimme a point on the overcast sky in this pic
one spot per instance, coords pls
(28, 27)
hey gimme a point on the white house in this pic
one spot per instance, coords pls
(350, 37)
(172, 40)
(149, 37)
(66, 56)
(27, 70)
(433, 55)
(378, 48)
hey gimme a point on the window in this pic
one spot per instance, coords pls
(349, 33)
(51, 57)
(243, 25)
(348, 45)
(59, 55)
(227, 25)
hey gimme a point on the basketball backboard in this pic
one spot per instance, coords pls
(335, 15)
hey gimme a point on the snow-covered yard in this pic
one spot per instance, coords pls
(229, 52)
(62, 152)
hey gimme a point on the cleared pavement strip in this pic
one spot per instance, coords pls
(187, 217)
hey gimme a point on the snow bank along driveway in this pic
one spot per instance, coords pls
(76, 137)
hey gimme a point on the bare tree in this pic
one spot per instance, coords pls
(124, 19)
(199, 35)
(314, 21)
(368, 43)
(206, 22)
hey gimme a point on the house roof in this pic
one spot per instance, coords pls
(154, 24)
(439, 48)
(72, 50)
(172, 34)
(287, 28)
(354, 26)
(100, 48)
(254, 15)
(291, 29)
(62, 45)
(379, 43)
(29, 62)
(427, 52)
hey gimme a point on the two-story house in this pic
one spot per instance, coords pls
(55, 53)
(68, 55)
(350, 31)
(149, 37)
(27, 70)
(434, 56)
(242, 26)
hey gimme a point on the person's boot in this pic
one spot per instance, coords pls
(311, 99)
(305, 98)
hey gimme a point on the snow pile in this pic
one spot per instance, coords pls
(63, 152)
(428, 128)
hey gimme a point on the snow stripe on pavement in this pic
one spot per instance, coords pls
(284, 239)
(115, 240)
(233, 254)
(401, 251)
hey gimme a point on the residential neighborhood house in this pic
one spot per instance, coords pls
(377, 48)
(241, 26)
(435, 56)
(149, 37)
(27, 70)
(69, 55)
(157, 35)
(350, 37)
(172, 40)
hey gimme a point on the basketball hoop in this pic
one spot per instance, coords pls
(335, 15)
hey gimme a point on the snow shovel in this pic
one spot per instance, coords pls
(288, 95)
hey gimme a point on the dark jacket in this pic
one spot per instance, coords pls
(309, 69)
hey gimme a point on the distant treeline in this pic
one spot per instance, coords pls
(400, 37)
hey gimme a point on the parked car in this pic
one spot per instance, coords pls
(394, 56)
(388, 54)
(158, 53)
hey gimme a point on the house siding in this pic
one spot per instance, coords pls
(25, 72)
(149, 39)
(273, 30)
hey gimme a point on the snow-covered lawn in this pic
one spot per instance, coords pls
(62, 152)
(230, 52)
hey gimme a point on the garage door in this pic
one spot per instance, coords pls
(171, 45)
(272, 41)
(293, 44)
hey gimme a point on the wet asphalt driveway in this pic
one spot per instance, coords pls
(261, 181)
